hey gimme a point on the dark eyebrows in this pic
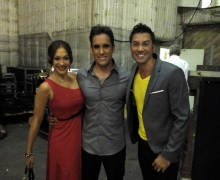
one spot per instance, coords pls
(95, 46)
(143, 42)
(98, 46)
(66, 56)
(106, 45)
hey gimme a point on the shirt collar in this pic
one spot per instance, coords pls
(174, 56)
(90, 68)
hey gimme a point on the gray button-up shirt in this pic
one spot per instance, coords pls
(103, 125)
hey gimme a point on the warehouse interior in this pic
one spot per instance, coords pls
(27, 27)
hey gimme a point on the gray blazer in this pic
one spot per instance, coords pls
(165, 111)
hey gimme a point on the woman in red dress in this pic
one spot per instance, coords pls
(62, 94)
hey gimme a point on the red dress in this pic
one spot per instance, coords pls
(64, 140)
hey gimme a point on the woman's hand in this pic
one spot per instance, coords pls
(30, 162)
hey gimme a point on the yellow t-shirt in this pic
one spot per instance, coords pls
(139, 89)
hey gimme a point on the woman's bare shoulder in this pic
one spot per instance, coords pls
(72, 75)
(44, 87)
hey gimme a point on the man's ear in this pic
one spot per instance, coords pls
(153, 47)
(91, 50)
(113, 49)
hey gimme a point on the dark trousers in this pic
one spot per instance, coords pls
(114, 165)
(146, 157)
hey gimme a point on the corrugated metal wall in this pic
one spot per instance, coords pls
(13, 31)
(8, 33)
(54, 15)
(71, 20)
(4, 35)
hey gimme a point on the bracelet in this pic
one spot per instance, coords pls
(28, 155)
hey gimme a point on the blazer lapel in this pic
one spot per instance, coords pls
(153, 79)
(133, 73)
(130, 83)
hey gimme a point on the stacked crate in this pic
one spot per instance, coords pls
(24, 76)
(8, 85)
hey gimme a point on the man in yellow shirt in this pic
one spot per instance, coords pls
(157, 108)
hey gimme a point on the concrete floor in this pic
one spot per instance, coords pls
(12, 162)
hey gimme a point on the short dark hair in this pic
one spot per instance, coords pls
(175, 49)
(56, 45)
(101, 29)
(142, 28)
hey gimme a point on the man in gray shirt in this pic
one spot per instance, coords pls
(104, 86)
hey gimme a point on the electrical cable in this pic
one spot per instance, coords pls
(190, 19)
(120, 40)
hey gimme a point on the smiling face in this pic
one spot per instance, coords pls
(102, 50)
(61, 61)
(142, 48)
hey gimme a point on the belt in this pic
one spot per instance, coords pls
(71, 117)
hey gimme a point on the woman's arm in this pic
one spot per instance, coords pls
(41, 99)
